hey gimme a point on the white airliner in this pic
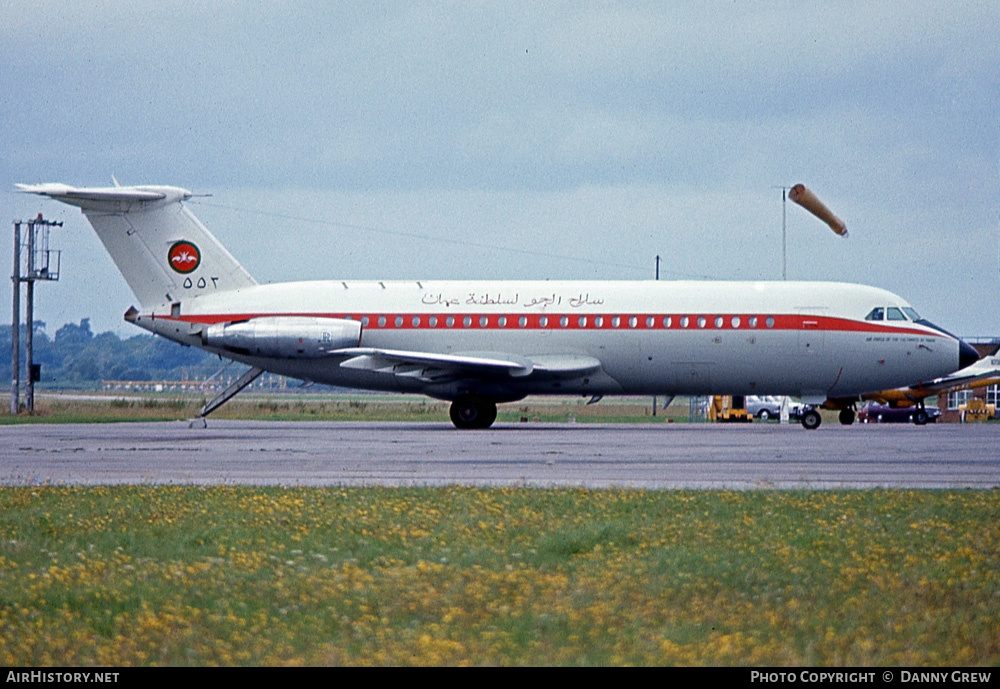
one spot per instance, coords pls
(480, 343)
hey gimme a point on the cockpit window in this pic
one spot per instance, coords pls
(895, 314)
(877, 314)
(912, 313)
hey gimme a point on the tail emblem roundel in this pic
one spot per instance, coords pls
(184, 257)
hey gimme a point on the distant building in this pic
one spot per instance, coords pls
(949, 402)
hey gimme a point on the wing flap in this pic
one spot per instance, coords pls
(566, 365)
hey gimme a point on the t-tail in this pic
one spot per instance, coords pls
(161, 249)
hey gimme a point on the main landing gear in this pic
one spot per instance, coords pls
(811, 419)
(471, 412)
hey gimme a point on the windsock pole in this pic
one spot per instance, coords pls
(784, 255)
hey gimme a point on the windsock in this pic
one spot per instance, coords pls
(805, 198)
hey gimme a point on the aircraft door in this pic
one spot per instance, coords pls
(812, 335)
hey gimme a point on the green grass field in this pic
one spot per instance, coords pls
(343, 407)
(119, 576)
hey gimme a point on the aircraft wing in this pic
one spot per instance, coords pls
(955, 382)
(983, 372)
(432, 367)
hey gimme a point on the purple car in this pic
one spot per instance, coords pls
(874, 412)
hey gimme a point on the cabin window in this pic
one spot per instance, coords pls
(719, 320)
(381, 321)
(599, 321)
(450, 321)
(467, 321)
(633, 321)
(415, 321)
(667, 321)
(895, 314)
(543, 321)
(364, 321)
(522, 321)
(702, 321)
(769, 322)
(564, 321)
(876, 314)
(684, 321)
(502, 321)
(752, 321)
(913, 315)
(650, 321)
(615, 321)
(484, 321)
(735, 322)
(432, 321)
(582, 321)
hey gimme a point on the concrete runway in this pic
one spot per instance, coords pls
(410, 454)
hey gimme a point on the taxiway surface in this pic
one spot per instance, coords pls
(640, 456)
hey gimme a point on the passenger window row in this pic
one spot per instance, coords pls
(558, 321)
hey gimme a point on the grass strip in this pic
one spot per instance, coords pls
(224, 575)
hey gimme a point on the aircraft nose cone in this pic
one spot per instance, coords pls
(967, 355)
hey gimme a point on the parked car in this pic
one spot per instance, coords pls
(873, 412)
(765, 407)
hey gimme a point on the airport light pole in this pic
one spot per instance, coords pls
(40, 264)
(15, 335)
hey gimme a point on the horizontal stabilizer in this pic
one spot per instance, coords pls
(79, 197)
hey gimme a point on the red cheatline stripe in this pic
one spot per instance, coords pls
(576, 321)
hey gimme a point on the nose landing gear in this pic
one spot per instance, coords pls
(811, 419)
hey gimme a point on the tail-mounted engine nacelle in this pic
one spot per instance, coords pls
(284, 337)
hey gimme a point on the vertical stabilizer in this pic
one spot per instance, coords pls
(161, 249)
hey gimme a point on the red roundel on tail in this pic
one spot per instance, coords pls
(184, 257)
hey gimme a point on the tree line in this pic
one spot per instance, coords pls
(75, 355)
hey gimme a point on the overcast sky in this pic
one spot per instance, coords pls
(521, 140)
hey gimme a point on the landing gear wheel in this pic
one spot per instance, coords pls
(811, 420)
(846, 416)
(473, 413)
